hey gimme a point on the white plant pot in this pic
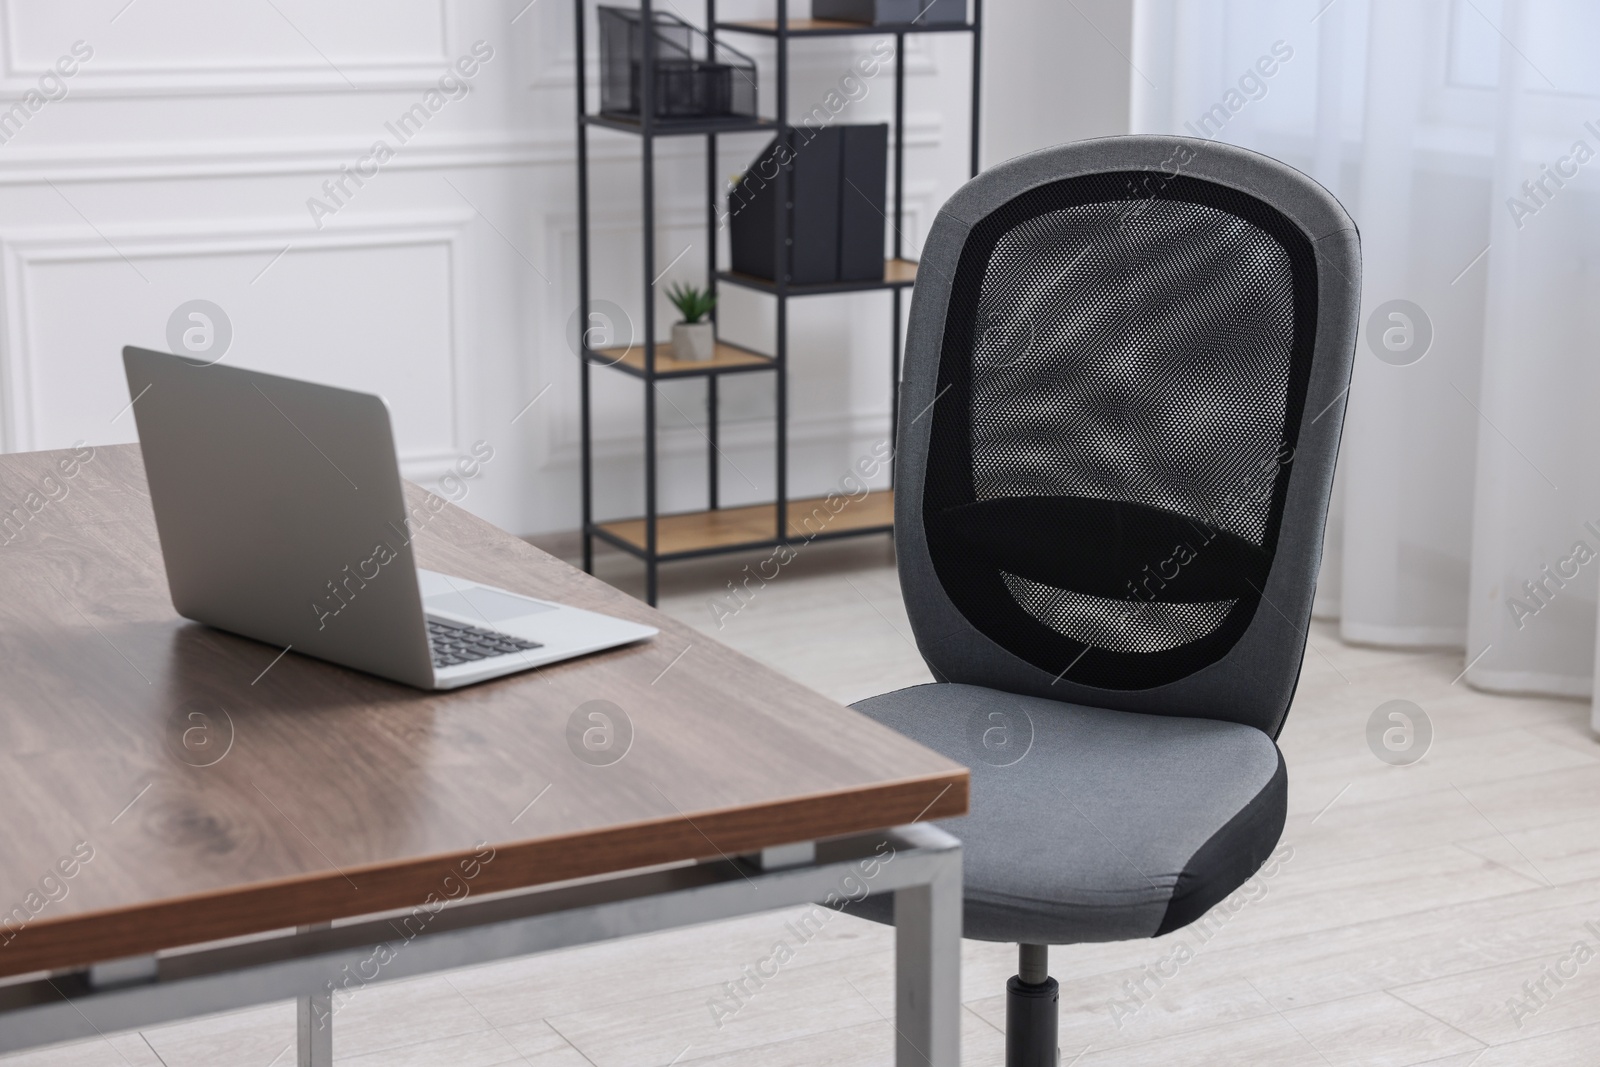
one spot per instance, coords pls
(695, 342)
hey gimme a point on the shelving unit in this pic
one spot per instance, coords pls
(655, 538)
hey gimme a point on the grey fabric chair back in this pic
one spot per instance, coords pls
(1123, 392)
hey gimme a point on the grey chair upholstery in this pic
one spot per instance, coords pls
(1123, 393)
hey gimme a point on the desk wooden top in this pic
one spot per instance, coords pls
(213, 800)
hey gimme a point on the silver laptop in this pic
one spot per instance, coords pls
(281, 517)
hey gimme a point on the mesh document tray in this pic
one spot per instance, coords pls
(1121, 384)
(695, 77)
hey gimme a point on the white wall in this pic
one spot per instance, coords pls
(179, 163)
(1055, 72)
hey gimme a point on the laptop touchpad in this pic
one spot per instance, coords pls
(476, 602)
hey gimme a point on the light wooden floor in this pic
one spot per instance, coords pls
(1415, 905)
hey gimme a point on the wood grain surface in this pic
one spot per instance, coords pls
(808, 517)
(218, 793)
(725, 355)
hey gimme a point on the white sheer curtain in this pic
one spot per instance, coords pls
(1464, 137)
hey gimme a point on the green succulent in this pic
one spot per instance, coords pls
(692, 302)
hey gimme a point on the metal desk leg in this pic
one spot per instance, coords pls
(314, 1020)
(927, 983)
(316, 1029)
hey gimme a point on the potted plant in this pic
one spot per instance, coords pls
(693, 339)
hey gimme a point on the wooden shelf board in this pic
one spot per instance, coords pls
(727, 357)
(896, 272)
(899, 271)
(696, 530)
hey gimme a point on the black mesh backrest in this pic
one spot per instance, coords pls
(1123, 365)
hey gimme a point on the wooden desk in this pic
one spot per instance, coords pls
(226, 793)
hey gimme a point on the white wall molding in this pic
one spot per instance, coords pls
(22, 249)
(260, 157)
(204, 159)
(264, 81)
(102, 77)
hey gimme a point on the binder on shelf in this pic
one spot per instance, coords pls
(863, 200)
(837, 191)
(814, 218)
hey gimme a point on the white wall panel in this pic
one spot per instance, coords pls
(372, 308)
(202, 46)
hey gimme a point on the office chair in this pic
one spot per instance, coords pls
(1124, 386)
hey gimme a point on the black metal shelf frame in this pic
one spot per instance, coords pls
(647, 128)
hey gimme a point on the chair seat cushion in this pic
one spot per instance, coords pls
(1088, 824)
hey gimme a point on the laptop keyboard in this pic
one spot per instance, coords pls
(455, 643)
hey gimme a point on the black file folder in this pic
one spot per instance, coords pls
(837, 177)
